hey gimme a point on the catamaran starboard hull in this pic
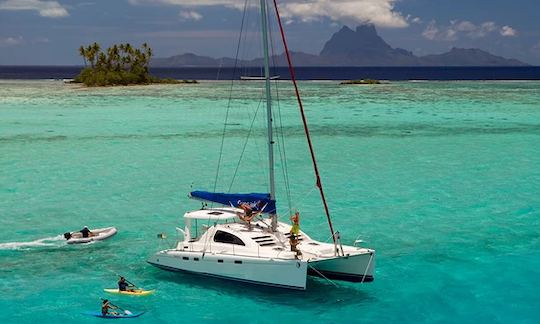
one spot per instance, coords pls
(355, 268)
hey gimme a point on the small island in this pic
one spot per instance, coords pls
(118, 65)
(361, 81)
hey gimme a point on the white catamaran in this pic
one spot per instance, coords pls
(239, 244)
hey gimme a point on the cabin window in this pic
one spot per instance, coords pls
(195, 259)
(224, 237)
(237, 261)
(220, 261)
(185, 258)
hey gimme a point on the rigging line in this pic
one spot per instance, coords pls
(245, 53)
(367, 268)
(284, 155)
(280, 131)
(230, 96)
(298, 203)
(245, 145)
(323, 276)
(306, 129)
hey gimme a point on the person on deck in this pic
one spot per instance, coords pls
(86, 232)
(295, 231)
(105, 306)
(248, 214)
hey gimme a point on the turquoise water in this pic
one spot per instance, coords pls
(441, 178)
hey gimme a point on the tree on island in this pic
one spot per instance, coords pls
(118, 65)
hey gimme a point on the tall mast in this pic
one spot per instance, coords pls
(306, 130)
(264, 30)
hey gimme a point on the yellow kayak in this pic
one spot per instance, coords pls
(135, 292)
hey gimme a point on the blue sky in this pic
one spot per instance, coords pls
(50, 32)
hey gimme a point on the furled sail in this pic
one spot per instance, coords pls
(257, 201)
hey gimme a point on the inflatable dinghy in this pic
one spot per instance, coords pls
(98, 234)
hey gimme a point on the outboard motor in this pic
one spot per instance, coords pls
(67, 235)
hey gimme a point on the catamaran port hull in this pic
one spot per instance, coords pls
(283, 273)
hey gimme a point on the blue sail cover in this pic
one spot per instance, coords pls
(257, 201)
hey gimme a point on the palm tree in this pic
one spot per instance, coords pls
(121, 55)
(82, 52)
(116, 57)
(146, 56)
(90, 55)
(101, 60)
(95, 51)
(129, 52)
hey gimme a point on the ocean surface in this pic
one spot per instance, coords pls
(442, 179)
(302, 73)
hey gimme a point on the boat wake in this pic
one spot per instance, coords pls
(44, 242)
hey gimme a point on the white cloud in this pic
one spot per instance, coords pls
(433, 32)
(11, 41)
(483, 30)
(190, 15)
(459, 28)
(378, 12)
(49, 9)
(508, 31)
(464, 26)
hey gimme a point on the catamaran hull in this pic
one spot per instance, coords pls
(291, 274)
(354, 268)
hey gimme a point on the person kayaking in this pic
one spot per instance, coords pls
(124, 285)
(86, 232)
(106, 306)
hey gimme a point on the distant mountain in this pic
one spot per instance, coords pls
(190, 59)
(364, 47)
(347, 47)
(468, 57)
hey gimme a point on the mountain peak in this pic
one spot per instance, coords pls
(349, 43)
(366, 29)
(345, 29)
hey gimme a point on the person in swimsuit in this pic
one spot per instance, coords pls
(248, 215)
(295, 231)
(105, 306)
